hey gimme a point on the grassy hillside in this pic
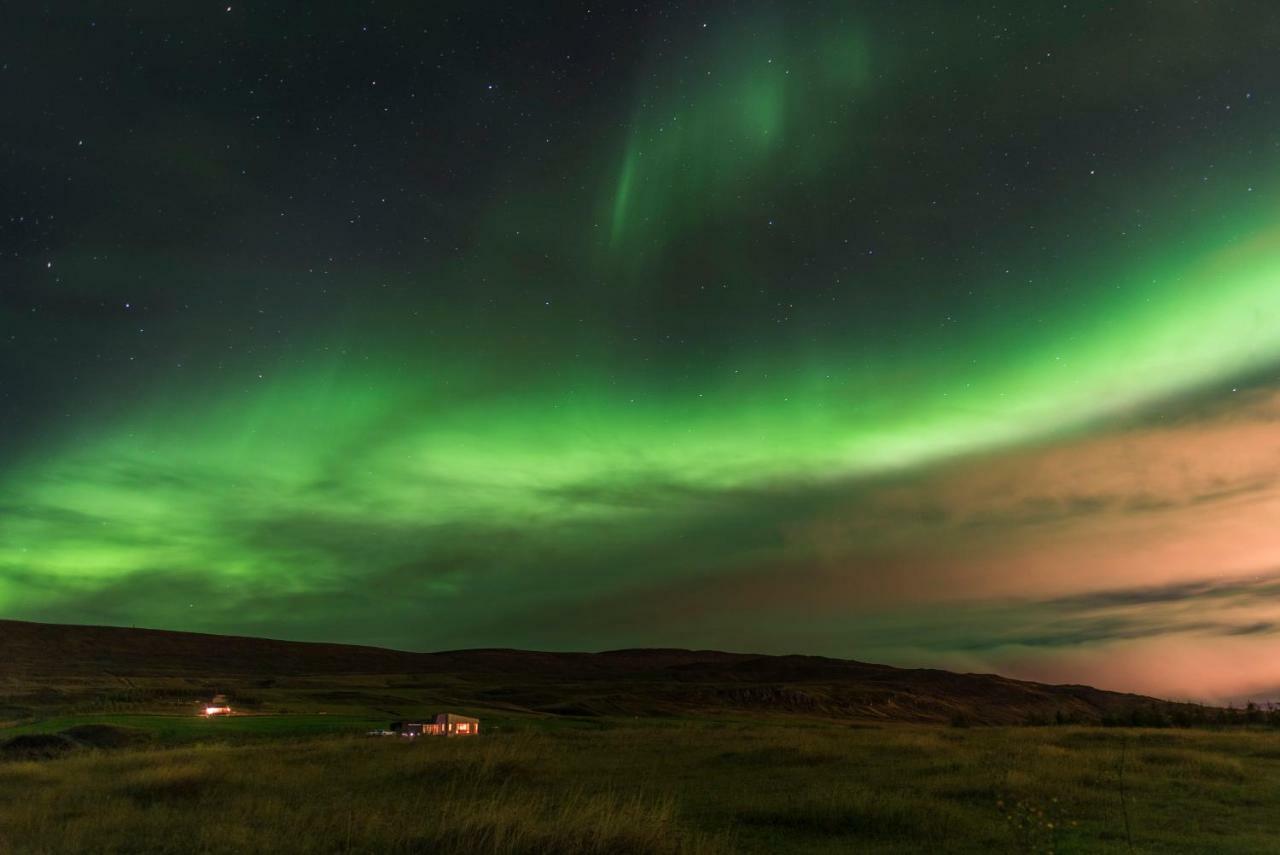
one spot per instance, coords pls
(46, 668)
(665, 787)
(662, 751)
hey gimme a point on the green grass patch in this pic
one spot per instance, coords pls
(194, 728)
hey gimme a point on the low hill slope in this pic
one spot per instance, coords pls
(620, 682)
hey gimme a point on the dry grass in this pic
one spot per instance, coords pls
(344, 795)
(654, 787)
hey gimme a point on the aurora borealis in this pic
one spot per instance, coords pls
(911, 334)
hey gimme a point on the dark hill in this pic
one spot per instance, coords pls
(620, 682)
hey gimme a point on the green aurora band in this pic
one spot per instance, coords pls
(550, 467)
(413, 446)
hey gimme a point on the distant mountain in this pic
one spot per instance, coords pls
(614, 683)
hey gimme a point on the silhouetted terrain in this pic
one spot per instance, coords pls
(45, 664)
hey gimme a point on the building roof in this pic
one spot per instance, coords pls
(454, 718)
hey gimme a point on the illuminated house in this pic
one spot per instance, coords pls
(218, 706)
(445, 724)
(452, 724)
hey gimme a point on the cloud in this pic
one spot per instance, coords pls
(1143, 537)
(1260, 587)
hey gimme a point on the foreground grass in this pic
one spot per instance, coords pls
(696, 787)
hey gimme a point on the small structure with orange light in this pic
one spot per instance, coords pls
(218, 706)
(444, 724)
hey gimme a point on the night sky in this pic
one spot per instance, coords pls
(931, 333)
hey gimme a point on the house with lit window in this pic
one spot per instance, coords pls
(218, 706)
(452, 724)
(444, 724)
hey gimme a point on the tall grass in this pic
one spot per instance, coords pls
(338, 795)
(661, 787)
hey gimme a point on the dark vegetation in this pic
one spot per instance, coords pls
(44, 746)
(1162, 714)
(36, 746)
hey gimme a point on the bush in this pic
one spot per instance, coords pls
(36, 746)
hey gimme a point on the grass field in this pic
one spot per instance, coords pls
(192, 728)
(663, 751)
(656, 786)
